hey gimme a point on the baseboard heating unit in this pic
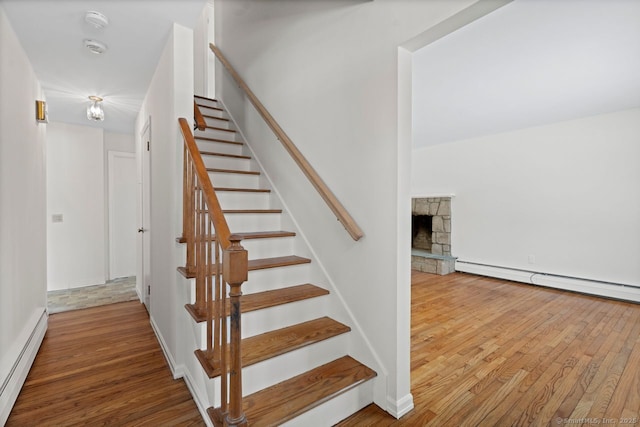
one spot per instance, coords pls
(575, 284)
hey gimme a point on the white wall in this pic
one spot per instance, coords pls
(565, 193)
(328, 73)
(75, 190)
(23, 263)
(203, 59)
(170, 95)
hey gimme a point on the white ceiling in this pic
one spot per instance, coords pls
(529, 63)
(52, 34)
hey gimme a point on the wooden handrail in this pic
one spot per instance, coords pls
(201, 124)
(217, 216)
(327, 195)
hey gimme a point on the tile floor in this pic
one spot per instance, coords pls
(117, 290)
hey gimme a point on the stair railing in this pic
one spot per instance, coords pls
(327, 195)
(206, 234)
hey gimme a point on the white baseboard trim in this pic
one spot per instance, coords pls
(23, 354)
(198, 397)
(585, 286)
(176, 370)
(401, 407)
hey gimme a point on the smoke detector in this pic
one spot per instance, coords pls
(95, 46)
(96, 19)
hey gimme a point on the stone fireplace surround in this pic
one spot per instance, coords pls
(437, 259)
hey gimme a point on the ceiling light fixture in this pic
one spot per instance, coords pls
(95, 46)
(96, 19)
(94, 110)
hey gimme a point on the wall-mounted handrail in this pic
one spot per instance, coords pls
(327, 195)
(201, 124)
(205, 231)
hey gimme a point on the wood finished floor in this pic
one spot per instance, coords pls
(487, 352)
(103, 366)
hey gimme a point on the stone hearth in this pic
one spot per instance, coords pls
(431, 235)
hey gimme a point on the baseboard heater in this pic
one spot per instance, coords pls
(575, 284)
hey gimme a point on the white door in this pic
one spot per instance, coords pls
(144, 263)
(122, 214)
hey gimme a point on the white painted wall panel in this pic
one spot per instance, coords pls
(23, 262)
(75, 190)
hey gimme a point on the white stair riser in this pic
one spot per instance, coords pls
(337, 409)
(243, 200)
(218, 122)
(275, 278)
(226, 162)
(261, 321)
(219, 147)
(273, 318)
(267, 248)
(219, 134)
(212, 112)
(253, 222)
(238, 180)
(207, 101)
(269, 372)
(266, 279)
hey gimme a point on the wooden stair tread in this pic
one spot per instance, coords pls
(243, 190)
(216, 118)
(286, 400)
(212, 108)
(213, 153)
(224, 141)
(204, 97)
(220, 129)
(254, 235)
(271, 344)
(261, 264)
(274, 343)
(251, 211)
(267, 299)
(218, 170)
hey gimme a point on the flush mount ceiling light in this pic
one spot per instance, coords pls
(95, 46)
(96, 19)
(94, 110)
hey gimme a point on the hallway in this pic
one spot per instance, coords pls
(103, 366)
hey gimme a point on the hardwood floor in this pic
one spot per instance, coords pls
(487, 352)
(103, 366)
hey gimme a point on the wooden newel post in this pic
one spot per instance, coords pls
(235, 270)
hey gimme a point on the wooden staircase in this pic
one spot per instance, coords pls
(294, 358)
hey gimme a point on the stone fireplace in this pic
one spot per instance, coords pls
(431, 235)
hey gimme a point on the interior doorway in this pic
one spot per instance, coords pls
(144, 216)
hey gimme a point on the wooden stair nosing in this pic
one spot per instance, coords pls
(271, 344)
(290, 398)
(212, 108)
(223, 141)
(224, 119)
(260, 264)
(262, 300)
(213, 153)
(252, 211)
(204, 97)
(221, 129)
(242, 190)
(253, 235)
(218, 170)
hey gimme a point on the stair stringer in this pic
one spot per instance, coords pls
(359, 344)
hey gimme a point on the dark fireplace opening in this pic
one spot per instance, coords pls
(421, 230)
